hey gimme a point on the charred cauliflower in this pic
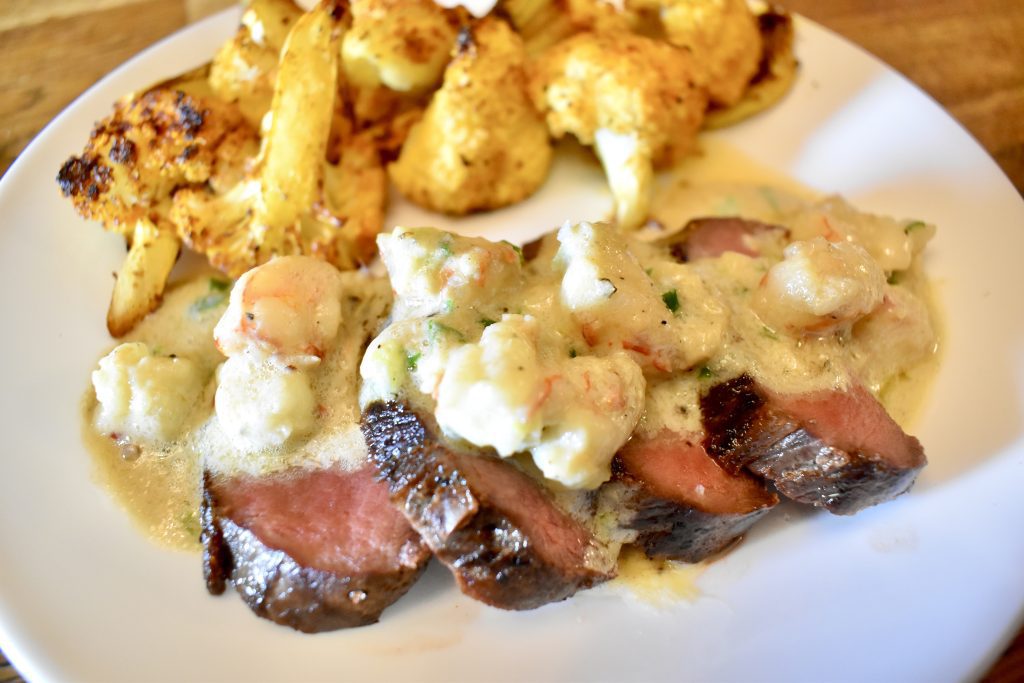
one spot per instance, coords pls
(635, 99)
(480, 144)
(403, 45)
(723, 36)
(150, 146)
(293, 201)
(243, 69)
(136, 159)
(542, 23)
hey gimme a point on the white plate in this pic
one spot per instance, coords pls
(924, 588)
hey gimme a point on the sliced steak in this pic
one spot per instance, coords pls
(713, 236)
(503, 537)
(681, 503)
(316, 550)
(838, 450)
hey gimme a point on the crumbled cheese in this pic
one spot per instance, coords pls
(572, 415)
(143, 396)
(262, 404)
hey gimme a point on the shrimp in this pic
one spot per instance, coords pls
(820, 287)
(289, 308)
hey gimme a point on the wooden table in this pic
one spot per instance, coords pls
(967, 54)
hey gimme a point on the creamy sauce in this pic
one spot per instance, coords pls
(659, 583)
(159, 487)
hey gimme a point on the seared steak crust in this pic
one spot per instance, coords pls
(288, 548)
(836, 450)
(499, 532)
(681, 503)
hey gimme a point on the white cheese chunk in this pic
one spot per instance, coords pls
(434, 272)
(573, 416)
(143, 396)
(261, 404)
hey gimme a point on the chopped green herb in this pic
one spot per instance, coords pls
(518, 250)
(206, 303)
(728, 207)
(218, 285)
(769, 196)
(705, 372)
(435, 329)
(650, 272)
(769, 332)
(411, 360)
(487, 321)
(190, 524)
(445, 247)
(449, 305)
(572, 353)
(911, 227)
(671, 299)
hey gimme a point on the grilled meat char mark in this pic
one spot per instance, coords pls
(838, 450)
(681, 503)
(496, 529)
(316, 550)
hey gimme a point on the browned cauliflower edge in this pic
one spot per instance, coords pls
(636, 100)
(480, 145)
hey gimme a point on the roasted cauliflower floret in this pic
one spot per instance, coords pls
(403, 45)
(775, 75)
(723, 36)
(294, 201)
(149, 148)
(636, 100)
(243, 69)
(480, 144)
(542, 23)
(394, 54)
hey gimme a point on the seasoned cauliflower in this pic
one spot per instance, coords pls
(403, 45)
(151, 145)
(542, 23)
(244, 68)
(722, 35)
(480, 144)
(294, 201)
(394, 54)
(636, 100)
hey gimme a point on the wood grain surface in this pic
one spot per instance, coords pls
(967, 54)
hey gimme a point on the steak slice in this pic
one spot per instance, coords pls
(316, 550)
(503, 537)
(681, 503)
(838, 450)
(713, 236)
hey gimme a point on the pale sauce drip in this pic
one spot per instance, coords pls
(160, 488)
(659, 583)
